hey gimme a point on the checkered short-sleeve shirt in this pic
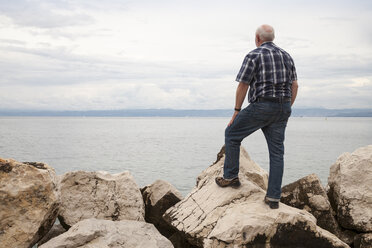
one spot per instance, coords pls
(269, 71)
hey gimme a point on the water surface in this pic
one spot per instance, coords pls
(172, 149)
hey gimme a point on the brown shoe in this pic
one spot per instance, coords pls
(234, 183)
(272, 204)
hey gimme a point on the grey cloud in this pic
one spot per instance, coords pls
(12, 42)
(337, 19)
(112, 5)
(294, 43)
(71, 35)
(57, 66)
(44, 14)
(334, 66)
(334, 99)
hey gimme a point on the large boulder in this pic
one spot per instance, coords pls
(158, 197)
(254, 224)
(97, 233)
(99, 195)
(211, 216)
(349, 189)
(29, 202)
(308, 193)
(247, 169)
(363, 240)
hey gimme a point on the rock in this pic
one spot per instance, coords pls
(363, 240)
(247, 168)
(211, 216)
(253, 224)
(55, 231)
(29, 202)
(158, 197)
(308, 193)
(349, 189)
(98, 233)
(196, 215)
(99, 195)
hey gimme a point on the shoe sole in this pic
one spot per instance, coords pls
(233, 185)
(271, 204)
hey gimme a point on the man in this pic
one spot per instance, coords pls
(270, 74)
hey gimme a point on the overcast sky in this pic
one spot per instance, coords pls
(117, 54)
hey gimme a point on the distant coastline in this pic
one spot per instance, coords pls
(296, 112)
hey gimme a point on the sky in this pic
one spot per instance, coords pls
(118, 54)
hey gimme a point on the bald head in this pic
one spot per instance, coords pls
(264, 33)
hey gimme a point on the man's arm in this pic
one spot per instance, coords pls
(241, 92)
(294, 91)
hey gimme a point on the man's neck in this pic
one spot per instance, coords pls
(265, 42)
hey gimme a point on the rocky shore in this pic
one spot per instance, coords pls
(98, 209)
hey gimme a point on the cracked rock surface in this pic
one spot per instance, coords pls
(99, 195)
(308, 193)
(253, 224)
(211, 216)
(97, 233)
(350, 189)
(29, 202)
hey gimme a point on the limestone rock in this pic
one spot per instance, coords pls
(350, 189)
(308, 193)
(29, 202)
(363, 240)
(99, 195)
(196, 215)
(98, 233)
(247, 169)
(55, 231)
(254, 224)
(211, 216)
(158, 197)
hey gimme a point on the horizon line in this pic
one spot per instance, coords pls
(172, 109)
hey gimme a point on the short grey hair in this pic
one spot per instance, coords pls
(266, 32)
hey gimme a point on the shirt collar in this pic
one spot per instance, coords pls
(267, 42)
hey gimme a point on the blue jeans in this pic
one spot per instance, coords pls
(271, 118)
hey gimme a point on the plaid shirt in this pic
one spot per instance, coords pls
(269, 71)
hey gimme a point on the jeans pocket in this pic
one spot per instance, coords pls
(265, 108)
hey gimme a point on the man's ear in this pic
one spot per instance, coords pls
(257, 39)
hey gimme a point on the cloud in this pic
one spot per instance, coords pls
(12, 42)
(321, 66)
(116, 95)
(44, 14)
(138, 54)
(361, 82)
(59, 66)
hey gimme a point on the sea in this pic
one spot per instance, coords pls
(174, 149)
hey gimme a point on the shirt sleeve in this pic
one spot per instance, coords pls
(293, 71)
(246, 71)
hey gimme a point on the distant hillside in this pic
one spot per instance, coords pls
(125, 113)
(323, 112)
(297, 112)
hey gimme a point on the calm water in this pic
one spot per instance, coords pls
(173, 149)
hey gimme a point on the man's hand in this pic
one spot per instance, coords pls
(233, 118)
